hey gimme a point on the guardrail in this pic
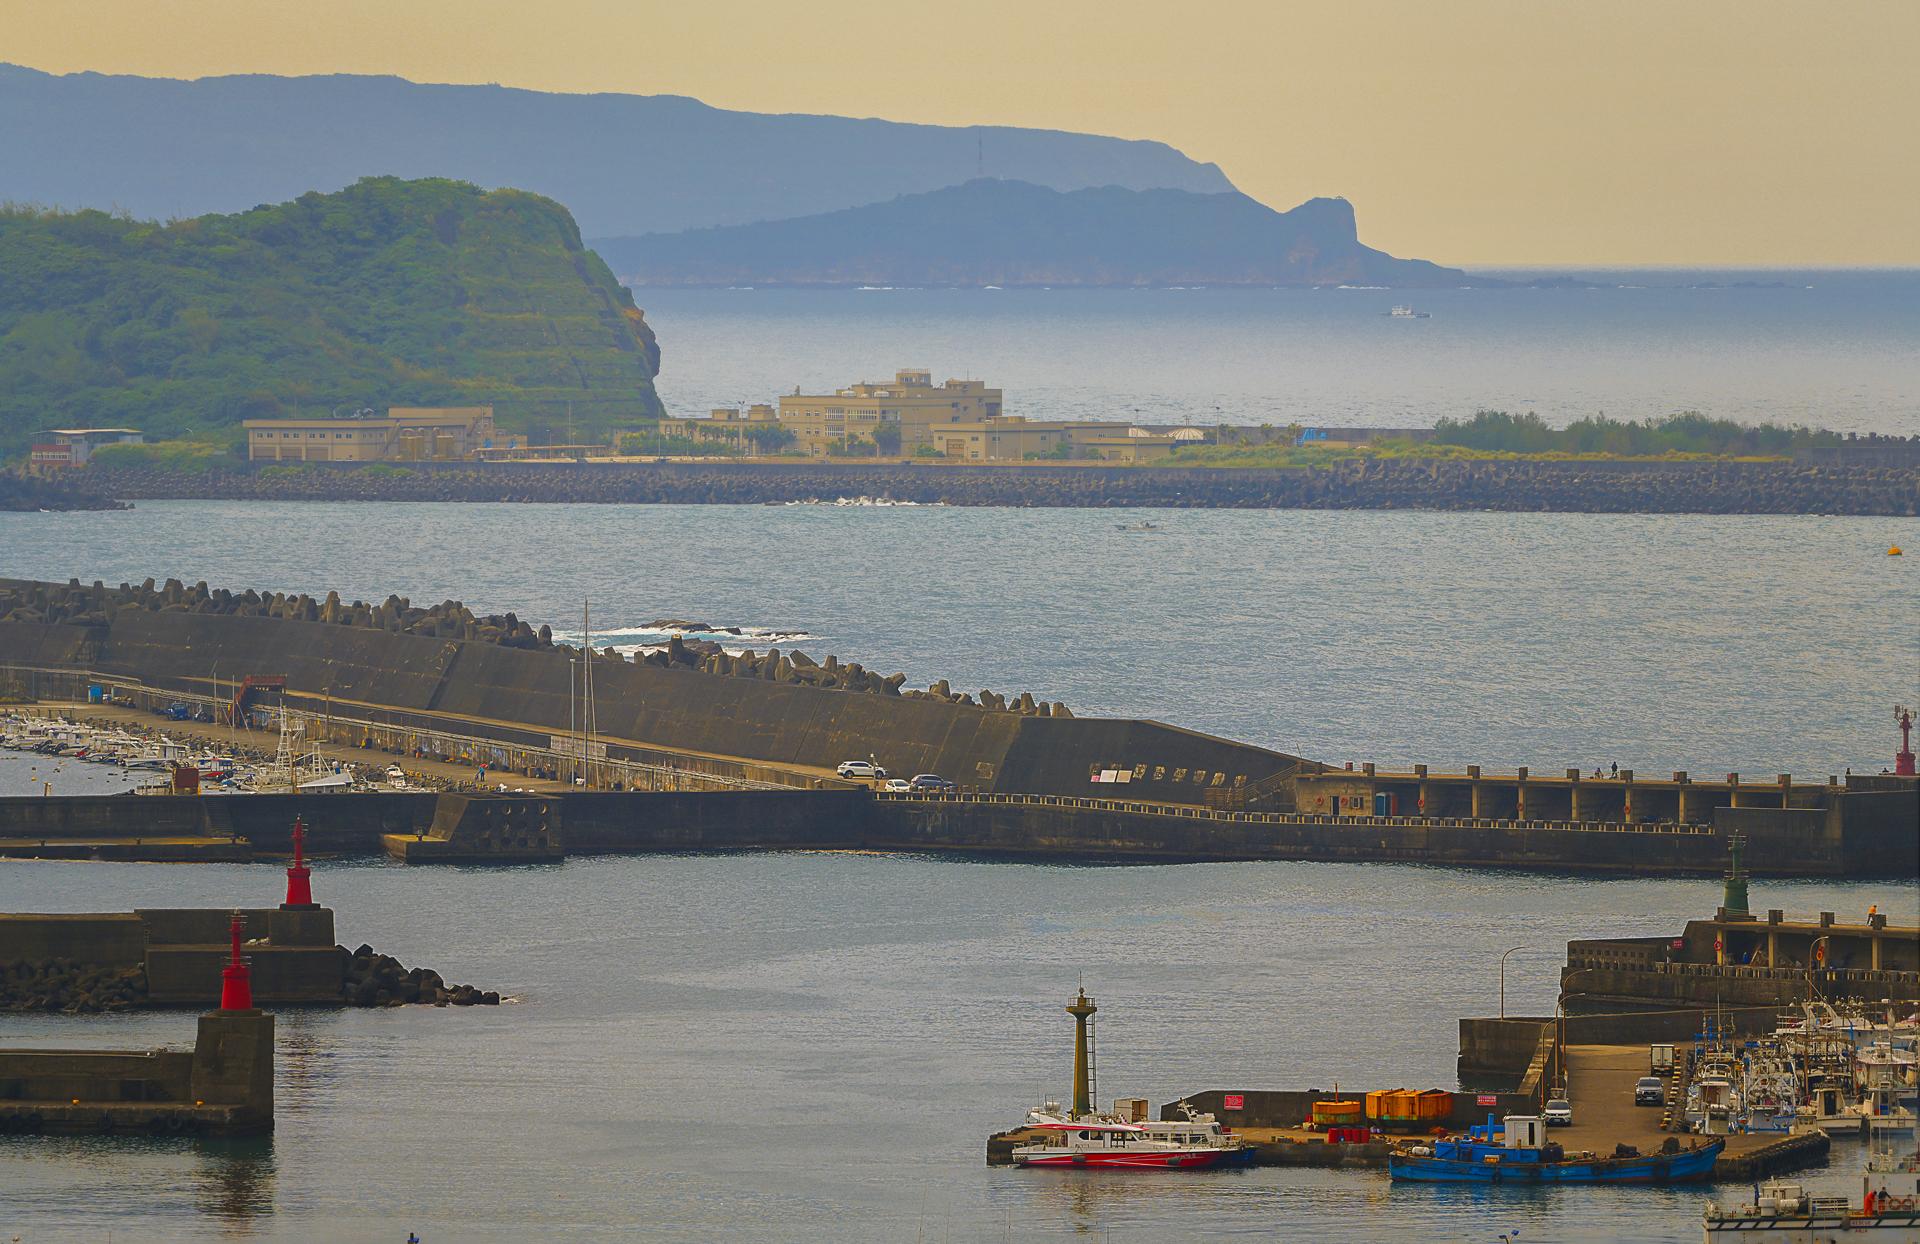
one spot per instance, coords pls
(1194, 812)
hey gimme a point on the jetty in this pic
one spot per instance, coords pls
(699, 750)
(222, 1087)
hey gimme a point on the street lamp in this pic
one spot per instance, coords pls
(1503, 980)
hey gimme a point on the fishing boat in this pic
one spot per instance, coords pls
(1126, 1139)
(1134, 528)
(1786, 1213)
(1519, 1153)
(1408, 313)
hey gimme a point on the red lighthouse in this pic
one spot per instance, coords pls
(1903, 763)
(236, 984)
(299, 876)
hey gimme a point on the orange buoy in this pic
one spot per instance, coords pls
(1894, 551)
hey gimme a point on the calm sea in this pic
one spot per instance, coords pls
(815, 1046)
(1829, 349)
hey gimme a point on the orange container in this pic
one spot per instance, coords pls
(1433, 1104)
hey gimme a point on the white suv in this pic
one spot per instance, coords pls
(860, 769)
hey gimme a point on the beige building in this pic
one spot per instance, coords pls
(911, 401)
(727, 429)
(403, 434)
(1012, 438)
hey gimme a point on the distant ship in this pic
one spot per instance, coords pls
(1408, 313)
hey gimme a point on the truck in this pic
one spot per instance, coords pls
(1660, 1059)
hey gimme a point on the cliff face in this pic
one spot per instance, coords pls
(990, 232)
(623, 163)
(387, 293)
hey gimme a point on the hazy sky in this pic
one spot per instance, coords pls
(1465, 131)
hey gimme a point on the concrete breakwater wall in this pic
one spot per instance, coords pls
(1006, 825)
(1436, 484)
(522, 695)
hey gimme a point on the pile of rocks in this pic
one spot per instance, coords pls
(95, 605)
(381, 980)
(71, 988)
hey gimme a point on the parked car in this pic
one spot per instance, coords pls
(1559, 1112)
(896, 786)
(860, 769)
(1648, 1091)
(930, 781)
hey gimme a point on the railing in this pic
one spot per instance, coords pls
(1217, 816)
(659, 776)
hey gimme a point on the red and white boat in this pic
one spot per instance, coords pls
(1126, 1138)
(1195, 1142)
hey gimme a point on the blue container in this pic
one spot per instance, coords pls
(95, 695)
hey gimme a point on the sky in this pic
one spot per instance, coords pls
(1481, 132)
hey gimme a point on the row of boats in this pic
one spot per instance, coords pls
(292, 768)
(1823, 1067)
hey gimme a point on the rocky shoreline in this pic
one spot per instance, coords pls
(1655, 487)
(21, 492)
(369, 979)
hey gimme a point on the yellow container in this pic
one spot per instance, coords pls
(1337, 1113)
(1433, 1104)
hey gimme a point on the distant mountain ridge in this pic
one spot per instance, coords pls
(997, 232)
(623, 164)
(431, 293)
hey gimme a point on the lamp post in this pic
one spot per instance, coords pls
(1503, 980)
(1814, 956)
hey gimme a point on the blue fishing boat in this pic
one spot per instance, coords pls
(1520, 1154)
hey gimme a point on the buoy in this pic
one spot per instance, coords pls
(1893, 551)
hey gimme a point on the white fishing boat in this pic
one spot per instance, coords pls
(1783, 1212)
(1408, 313)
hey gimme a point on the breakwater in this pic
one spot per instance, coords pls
(1002, 826)
(1771, 487)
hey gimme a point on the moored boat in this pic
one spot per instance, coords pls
(1194, 1142)
(1520, 1154)
(1125, 1139)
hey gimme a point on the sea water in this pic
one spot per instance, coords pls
(774, 1047)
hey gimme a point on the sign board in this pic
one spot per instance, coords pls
(1488, 1099)
(1233, 1101)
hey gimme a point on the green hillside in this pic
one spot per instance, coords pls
(389, 292)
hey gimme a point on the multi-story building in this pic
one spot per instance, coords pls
(911, 402)
(59, 448)
(403, 434)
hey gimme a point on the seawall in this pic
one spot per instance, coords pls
(1662, 487)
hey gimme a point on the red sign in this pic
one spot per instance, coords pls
(1488, 1099)
(1234, 1101)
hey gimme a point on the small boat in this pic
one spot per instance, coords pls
(1192, 1143)
(1519, 1153)
(1133, 528)
(1408, 313)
